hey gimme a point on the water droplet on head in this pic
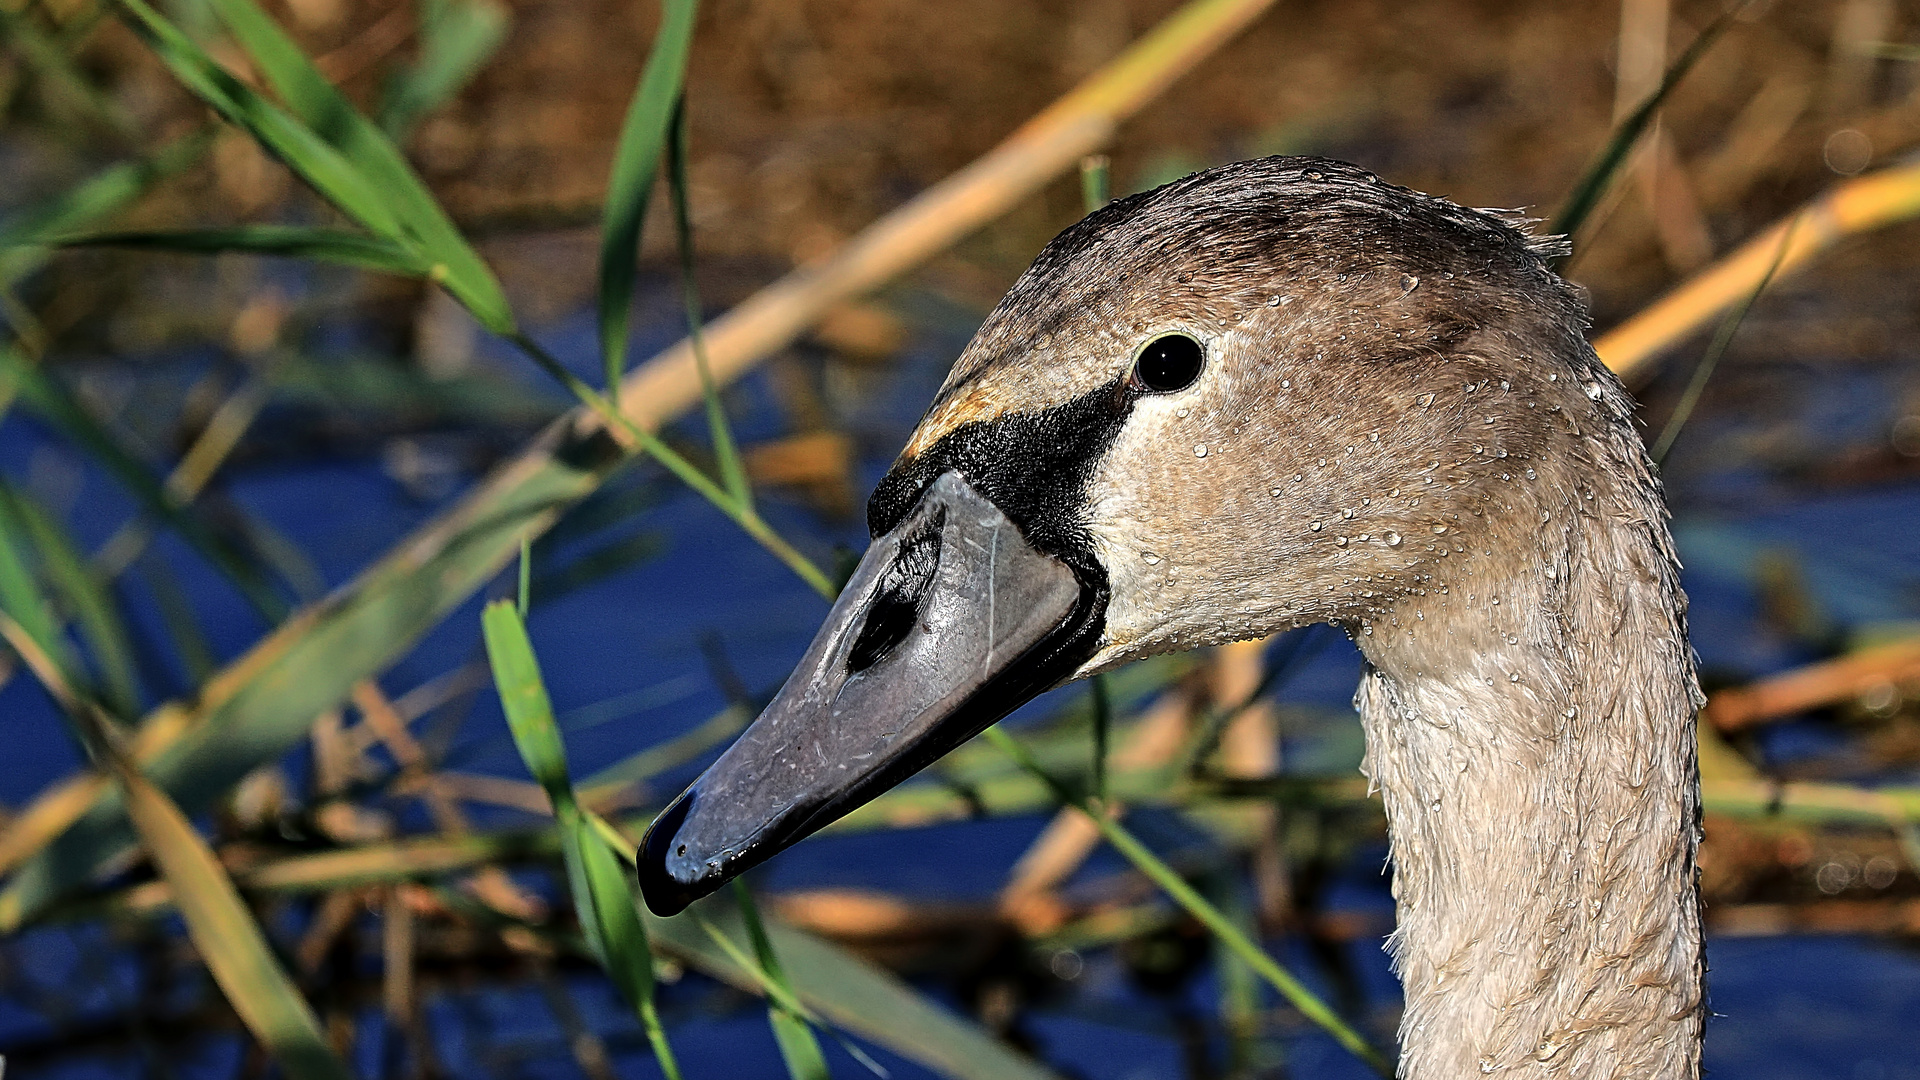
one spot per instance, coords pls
(1340, 541)
(1182, 412)
(1273, 301)
(1347, 513)
(1439, 529)
(1315, 526)
(1393, 539)
(1151, 558)
(1593, 390)
(1276, 493)
(1199, 449)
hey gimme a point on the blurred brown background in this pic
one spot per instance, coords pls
(812, 117)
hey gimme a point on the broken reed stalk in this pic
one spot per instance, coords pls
(526, 494)
(1860, 205)
(1815, 685)
(1044, 147)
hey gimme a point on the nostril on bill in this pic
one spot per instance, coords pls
(897, 601)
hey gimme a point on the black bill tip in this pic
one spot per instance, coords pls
(668, 881)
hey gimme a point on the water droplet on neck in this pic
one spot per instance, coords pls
(1199, 449)
(1182, 412)
(1439, 529)
(1273, 301)
(1315, 526)
(1150, 558)
(1393, 539)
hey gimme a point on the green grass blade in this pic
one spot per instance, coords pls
(71, 95)
(733, 475)
(1599, 176)
(262, 704)
(87, 598)
(25, 236)
(1222, 928)
(1102, 727)
(798, 1047)
(296, 144)
(457, 38)
(313, 99)
(218, 922)
(49, 400)
(22, 600)
(282, 241)
(229, 939)
(184, 632)
(1096, 181)
(849, 993)
(1722, 337)
(603, 893)
(636, 161)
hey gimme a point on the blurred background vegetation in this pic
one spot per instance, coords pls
(305, 307)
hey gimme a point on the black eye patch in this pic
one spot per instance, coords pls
(896, 603)
(1168, 363)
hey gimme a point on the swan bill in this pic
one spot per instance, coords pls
(951, 621)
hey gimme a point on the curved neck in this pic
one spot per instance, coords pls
(1530, 726)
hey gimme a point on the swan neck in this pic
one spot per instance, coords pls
(1530, 728)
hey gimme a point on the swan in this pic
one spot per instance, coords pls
(1276, 393)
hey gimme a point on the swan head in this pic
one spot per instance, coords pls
(1274, 393)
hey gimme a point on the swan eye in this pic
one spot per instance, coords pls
(1168, 363)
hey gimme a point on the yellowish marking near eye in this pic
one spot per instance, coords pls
(981, 402)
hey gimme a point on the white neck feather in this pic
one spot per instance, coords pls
(1530, 727)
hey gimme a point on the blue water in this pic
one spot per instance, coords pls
(1789, 1007)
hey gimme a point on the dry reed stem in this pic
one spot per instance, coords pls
(1041, 149)
(669, 384)
(1028, 900)
(1815, 685)
(330, 919)
(1877, 916)
(1856, 206)
(396, 947)
(1250, 749)
(490, 884)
